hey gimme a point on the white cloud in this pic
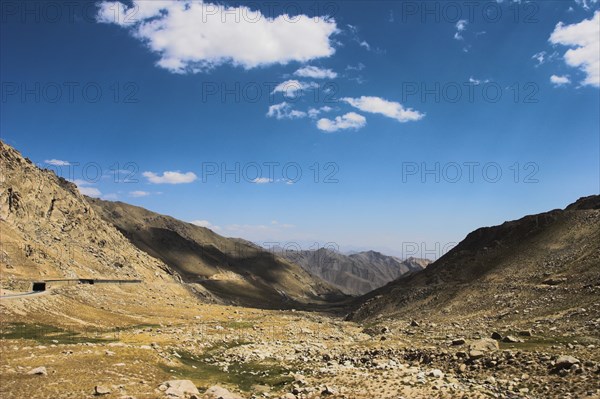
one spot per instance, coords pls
(138, 194)
(90, 191)
(365, 45)
(584, 38)
(262, 180)
(57, 162)
(543, 57)
(192, 36)
(284, 111)
(381, 106)
(168, 177)
(474, 81)
(315, 73)
(205, 223)
(315, 112)
(201, 223)
(293, 88)
(540, 57)
(359, 67)
(560, 80)
(351, 120)
(461, 26)
(84, 188)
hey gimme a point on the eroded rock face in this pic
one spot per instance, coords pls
(50, 229)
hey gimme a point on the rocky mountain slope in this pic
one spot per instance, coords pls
(49, 231)
(233, 270)
(354, 274)
(544, 266)
(512, 314)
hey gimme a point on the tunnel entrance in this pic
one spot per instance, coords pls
(86, 281)
(39, 286)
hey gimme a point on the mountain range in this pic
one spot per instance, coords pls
(357, 273)
(140, 304)
(538, 266)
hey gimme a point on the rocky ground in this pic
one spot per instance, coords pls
(191, 350)
(512, 312)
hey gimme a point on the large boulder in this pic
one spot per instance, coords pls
(100, 390)
(180, 388)
(565, 362)
(484, 345)
(38, 371)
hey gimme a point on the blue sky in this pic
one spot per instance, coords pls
(396, 126)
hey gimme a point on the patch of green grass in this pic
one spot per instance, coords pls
(537, 342)
(238, 325)
(243, 375)
(46, 334)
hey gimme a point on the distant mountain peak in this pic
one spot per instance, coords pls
(355, 273)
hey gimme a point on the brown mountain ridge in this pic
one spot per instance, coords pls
(540, 265)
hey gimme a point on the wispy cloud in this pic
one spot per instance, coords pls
(391, 109)
(476, 82)
(461, 26)
(90, 191)
(586, 3)
(315, 73)
(85, 188)
(138, 194)
(262, 180)
(205, 223)
(169, 177)
(560, 80)
(57, 162)
(284, 111)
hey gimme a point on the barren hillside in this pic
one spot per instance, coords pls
(540, 266)
(234, 270)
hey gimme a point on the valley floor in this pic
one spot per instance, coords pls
(128, 347)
